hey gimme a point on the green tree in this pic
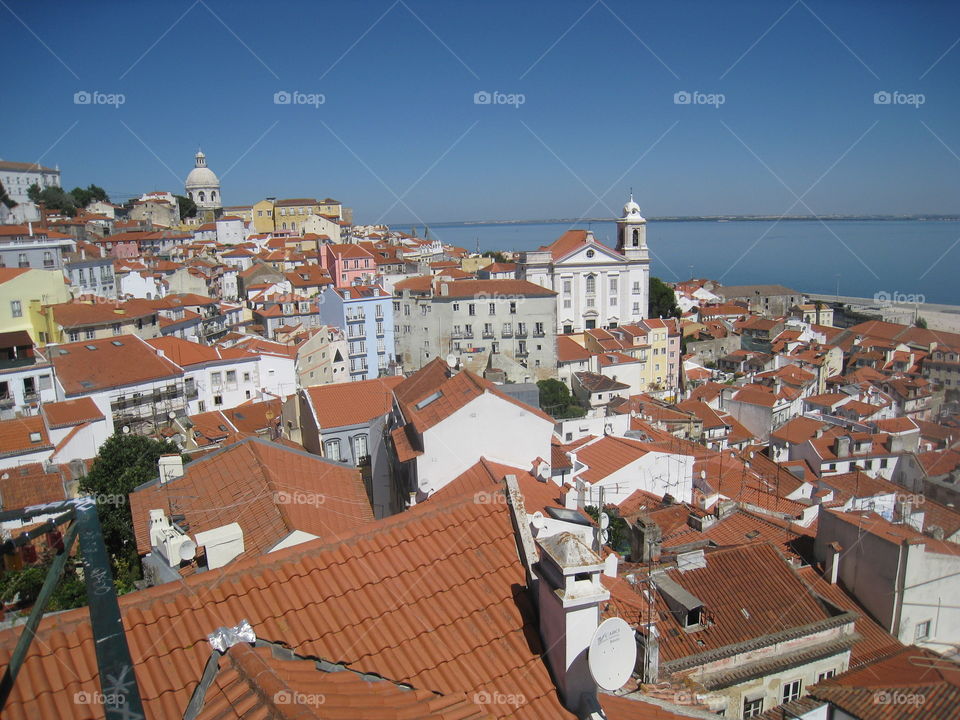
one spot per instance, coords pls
(618, 537)
(6, 199)
(663, 301)
(123, 463)
(498, 257)
(920, 322)
(188, 208)
(84, 196)
(555, 399)
(54, 198)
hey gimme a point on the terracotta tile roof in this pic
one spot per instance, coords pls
(798, 430)
(8, 274)
(595, 382)
(874, 640)
(469, 288)
(80, 314)
(566, 243)
(433, 597)
(258, 484)
(354, 403)
(487, 476)
(569, 350)
(186, 353)
(747, 592)
(23, 435)
(254, 417)
(608, 454)
(755, 395)
(896, 533)
(913, 671)
(896, 425)
(254, 683)
(114, 362)
(71, 412)
(452, 393)
(27, 485)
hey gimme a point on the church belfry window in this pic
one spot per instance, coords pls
(636, 238)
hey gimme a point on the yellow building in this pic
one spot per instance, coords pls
(23, 291)
(272, 215)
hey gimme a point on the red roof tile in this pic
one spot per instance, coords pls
(354, 403)
(71, 412)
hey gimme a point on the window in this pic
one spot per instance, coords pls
(513, 307)
(16, 309)
(591, 283)
(232, 379)
(613, 286)
(826, 675)
(456, 306)
(116, 329)
(471, 309)
(202, 406)
(566, 287)
(752, 708)
(636, 288)
(90, 334)
(567, 304)
(613, 301)
(45, 382)
(216, 379)
(493, 308)
(791, 691)
(332, 449)
(360, 447)
(922, 632)
(218, 400)
(538, 328)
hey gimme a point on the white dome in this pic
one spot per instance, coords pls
(631, 209)
(202, 178)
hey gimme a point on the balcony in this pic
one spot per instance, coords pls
(357, 353)
(7, 402)
(31, 397)
(539, 334)
(506, 332)
(488, 334)
(357, 318)
(521, 332)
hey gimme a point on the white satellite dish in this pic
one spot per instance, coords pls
(612, 654)
(452, 360)
(604, 521)
(539, 522)
(425, 486)
(188, 550)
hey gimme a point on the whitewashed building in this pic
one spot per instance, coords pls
(596, 286)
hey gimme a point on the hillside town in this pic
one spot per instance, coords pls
(352, 471)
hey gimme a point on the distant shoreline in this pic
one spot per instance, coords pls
(701, 218)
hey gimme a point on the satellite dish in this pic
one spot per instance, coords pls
(604, 521)
(452, 360)
(612, 654)
(188, 550)
(126, 429)
(425, 486)
(172, 415)
(539, 522)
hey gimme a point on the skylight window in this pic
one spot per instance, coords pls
(35, 437)
(428, 399)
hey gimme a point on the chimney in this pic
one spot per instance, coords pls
(170, 467)
(569, 600)
(841, 446)
(645, 540)
(831, 568)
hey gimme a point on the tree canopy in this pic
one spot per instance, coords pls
(123, 463)
(555, 399)
(5, 199)
(188, 208)
(663, 301)
(56, 198)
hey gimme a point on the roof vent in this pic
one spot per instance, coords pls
(117, 343)
(90, 347)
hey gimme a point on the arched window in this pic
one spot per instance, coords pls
(284, 226)
(591, 284)
(636, 238)
(202, 196)
(213, 196)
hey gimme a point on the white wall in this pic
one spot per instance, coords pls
(488, 426)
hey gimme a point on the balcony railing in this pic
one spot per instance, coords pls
(356, 318)
(539, 334)
(31, 397)
(7, 402)
(521, 332)
(488, 334)
(506, 333)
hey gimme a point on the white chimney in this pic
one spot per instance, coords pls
(221, 544)
(569, 600)
(170, 467)
(831, 568)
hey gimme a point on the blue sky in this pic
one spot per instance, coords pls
(599, 115)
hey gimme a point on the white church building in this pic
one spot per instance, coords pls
(203, 186)
(596, 286)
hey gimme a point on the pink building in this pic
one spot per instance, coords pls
(348, 264)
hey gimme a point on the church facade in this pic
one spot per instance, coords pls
(596, 286)
(203, 187)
